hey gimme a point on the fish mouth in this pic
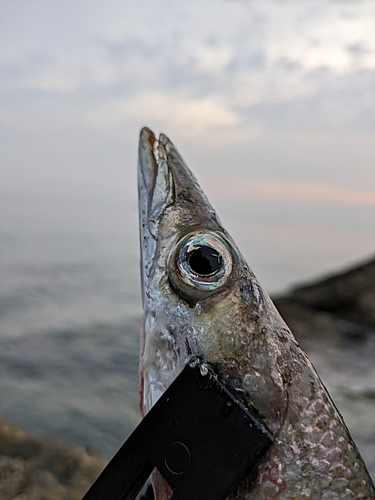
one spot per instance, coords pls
(174, 213)
(156, 193)
(171, 205)
(154, 177)
(165, 181)
(157, 180)
(147, 166)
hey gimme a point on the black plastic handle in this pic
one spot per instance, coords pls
(200, 437)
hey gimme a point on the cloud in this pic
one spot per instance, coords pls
(214, 73)
(202, 120)
(172, 45)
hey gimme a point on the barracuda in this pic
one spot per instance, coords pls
(201, 297)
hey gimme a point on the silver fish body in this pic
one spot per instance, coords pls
(201, 297)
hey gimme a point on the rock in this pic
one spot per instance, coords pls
(340, 306)
(49, 468)
(307, 325)
(349, 295)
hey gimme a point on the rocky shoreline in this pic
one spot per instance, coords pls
(44, 468)
(320, 316)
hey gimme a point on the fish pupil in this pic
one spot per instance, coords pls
(204, 260)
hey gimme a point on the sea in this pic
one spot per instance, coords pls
(70, 313)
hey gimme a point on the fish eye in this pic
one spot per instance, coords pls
(201, 262)
(204, 260)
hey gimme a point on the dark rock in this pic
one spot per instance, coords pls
(51, 468)
(349, 295)
(341, 306)
(308, 325)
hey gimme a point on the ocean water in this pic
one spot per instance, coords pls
(70, 311)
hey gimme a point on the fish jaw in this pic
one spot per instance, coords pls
(171, 204)
(229, 319)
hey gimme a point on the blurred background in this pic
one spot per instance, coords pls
(271, 104)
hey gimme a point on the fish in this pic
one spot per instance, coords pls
(200, 297)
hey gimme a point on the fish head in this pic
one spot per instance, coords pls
(200, 296)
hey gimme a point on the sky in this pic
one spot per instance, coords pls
(271, 103)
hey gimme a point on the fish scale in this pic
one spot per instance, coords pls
(228, 319)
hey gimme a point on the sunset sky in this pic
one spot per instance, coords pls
(271, 103)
